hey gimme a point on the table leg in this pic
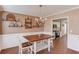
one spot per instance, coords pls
(34, 47)
(49, 45)
(0, 50)
(20, 49)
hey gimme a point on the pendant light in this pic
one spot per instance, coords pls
(42, 18)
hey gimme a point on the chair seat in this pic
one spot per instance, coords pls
(26, 44)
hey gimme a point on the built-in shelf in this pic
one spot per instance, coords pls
(41, 45)
(33, 22)
(16, 26)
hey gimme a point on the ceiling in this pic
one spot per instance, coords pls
(35, 9)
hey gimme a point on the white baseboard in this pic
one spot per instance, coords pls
(73, 49)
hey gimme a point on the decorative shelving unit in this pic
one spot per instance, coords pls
(32, 22)
(28, 22)
(13, 22)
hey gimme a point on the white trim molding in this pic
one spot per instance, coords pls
(67, 17)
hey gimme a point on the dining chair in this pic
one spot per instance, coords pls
(26, 47)
(51, 41)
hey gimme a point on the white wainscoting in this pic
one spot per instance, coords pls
(73, 42)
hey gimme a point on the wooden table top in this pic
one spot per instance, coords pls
(37, 37)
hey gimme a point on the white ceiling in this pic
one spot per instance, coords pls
(35, 9)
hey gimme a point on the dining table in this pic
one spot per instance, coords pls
(39, 37)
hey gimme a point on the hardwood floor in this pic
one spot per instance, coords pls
(60, 47)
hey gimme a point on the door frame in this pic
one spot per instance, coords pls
(67, 17)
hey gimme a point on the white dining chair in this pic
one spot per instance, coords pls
(51, 41)
(26, 47)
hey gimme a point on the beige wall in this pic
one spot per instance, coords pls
(48, 25)
(10, 30)
(73, 20)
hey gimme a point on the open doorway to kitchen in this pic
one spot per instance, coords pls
(60, 29)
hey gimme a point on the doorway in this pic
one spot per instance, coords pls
(60, 27)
